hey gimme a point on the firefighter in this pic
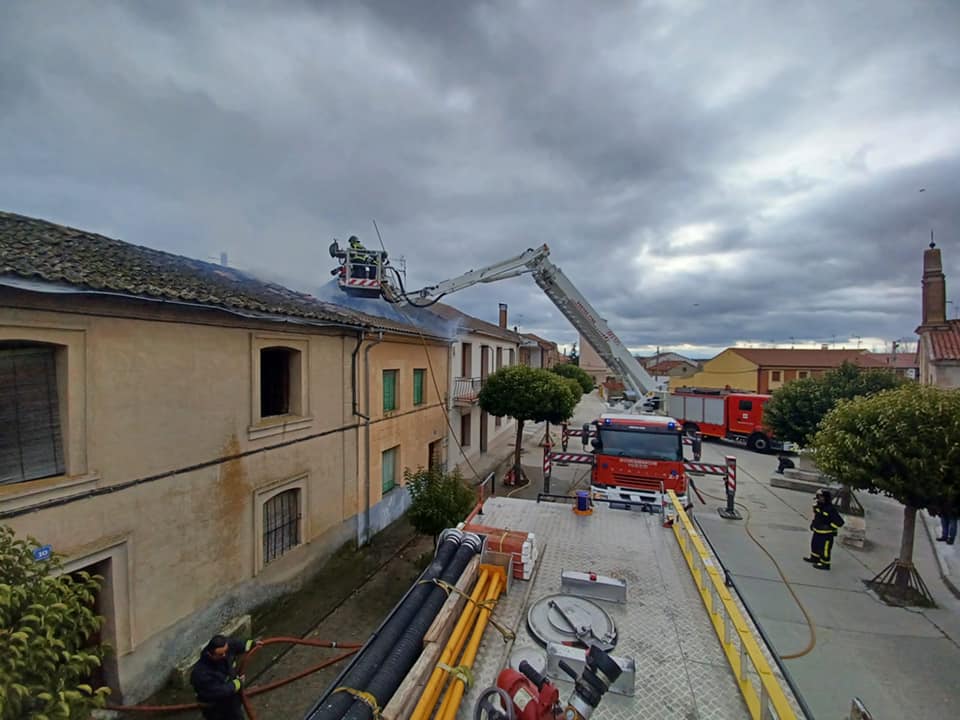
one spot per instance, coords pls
(214, 678)
(826, 522)
(363, 263)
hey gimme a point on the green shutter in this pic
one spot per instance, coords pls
(389, 390)
(418, 387)
(389, 470)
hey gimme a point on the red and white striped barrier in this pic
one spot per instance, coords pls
(362, 282)
(731, 468)
(584, 458)
(705, 468)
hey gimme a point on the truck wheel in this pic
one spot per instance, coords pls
(758, 442)
(690, 429)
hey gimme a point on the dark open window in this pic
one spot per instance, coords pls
(31, 442)
(281, 524)
(276, 373)
(435, 454)
(746, 405)
(465, 431)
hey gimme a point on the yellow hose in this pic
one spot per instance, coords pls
(451, 702)
(451, 650)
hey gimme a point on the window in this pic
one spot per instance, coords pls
(510, 357)
(435, 455)
(646, 445)
(465, 431)
(746, 405)
(775, 376)
(388, 469)
(31, 441)
(281, 524)
(497, 421)
(801, 374)
(499, 359)
(418, 377)
(276, 375)
(279, 396)
(390, 390)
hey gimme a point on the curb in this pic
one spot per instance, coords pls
(944, 575)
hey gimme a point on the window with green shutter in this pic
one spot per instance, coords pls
(388, 465)
(418, 377)
(389, 390)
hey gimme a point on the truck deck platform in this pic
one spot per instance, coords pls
(681, 668)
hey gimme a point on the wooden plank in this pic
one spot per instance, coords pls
(404, 700)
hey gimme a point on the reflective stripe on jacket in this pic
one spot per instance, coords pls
(826, 520)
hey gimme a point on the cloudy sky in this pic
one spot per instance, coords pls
(707, 173)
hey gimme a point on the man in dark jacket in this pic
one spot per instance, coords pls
(215, 681)
(826, 522)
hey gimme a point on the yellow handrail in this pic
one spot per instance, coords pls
(724, 612)
(451, 650)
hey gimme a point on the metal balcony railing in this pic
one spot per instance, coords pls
(466, 391)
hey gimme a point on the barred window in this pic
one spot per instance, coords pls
(31, 442)
(281, 524)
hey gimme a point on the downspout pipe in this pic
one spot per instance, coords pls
(363, 529)
(353, 375)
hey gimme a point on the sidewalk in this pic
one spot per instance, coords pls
(947, 556)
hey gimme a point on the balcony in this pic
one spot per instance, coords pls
(466, 391)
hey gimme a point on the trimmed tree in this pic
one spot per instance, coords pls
(46, 621)
(525, 393)
(568, 370)
(796, 409)
(903, 443)
(438, 500)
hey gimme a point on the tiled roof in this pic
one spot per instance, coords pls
(667, 365)
(40, 250)
(474, 324)
(803, 358)
(944, 341)
(547, 344)
(897, 360)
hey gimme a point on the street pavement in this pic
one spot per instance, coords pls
(900, 662)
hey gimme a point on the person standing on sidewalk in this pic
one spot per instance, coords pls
(825, 525)
(948, 527)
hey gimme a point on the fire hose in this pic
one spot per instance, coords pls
(245, 693)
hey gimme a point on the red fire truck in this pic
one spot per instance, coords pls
(733, 416)
(636, 457)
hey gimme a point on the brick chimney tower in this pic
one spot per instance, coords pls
(503, 308)
(934, 288)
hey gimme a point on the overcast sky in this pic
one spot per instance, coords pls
(707, 173)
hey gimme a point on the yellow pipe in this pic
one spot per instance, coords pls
(451, 703)
(451, 650)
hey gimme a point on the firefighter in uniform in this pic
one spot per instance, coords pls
(363, 263)
(826, 522)
(215, 681)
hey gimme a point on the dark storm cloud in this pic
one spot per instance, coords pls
(705, 173)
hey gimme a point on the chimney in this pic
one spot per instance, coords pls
(934, 288)
(503, 315)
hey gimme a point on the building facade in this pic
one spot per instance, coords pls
(939, 345)
(200, 439)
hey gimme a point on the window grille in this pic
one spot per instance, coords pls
(281, 524)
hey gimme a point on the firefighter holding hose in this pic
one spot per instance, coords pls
(214, 677)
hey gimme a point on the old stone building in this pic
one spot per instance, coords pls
(939, 346)
(201, 439)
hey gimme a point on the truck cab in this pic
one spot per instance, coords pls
(638, 458)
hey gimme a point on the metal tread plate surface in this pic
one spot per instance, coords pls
(681, 670)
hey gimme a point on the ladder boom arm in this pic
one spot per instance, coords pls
(568, 301)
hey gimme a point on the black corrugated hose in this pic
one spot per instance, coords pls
(408, 648)
(371, 658)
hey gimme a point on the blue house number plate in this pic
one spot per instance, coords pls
(43, 553)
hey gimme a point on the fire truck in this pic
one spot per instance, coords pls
(727, 415)
(637, 457)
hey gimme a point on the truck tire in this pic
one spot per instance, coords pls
(690, 429)
(758, 442)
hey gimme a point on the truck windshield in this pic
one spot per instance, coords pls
(649, 445)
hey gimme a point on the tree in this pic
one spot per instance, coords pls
(438, 500)
(46, 620)
(567, 370)
(526, 393)
(904, 443)
(796, 409)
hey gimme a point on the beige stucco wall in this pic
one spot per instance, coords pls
(727, 368)
(591, 363)
(163, 412)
